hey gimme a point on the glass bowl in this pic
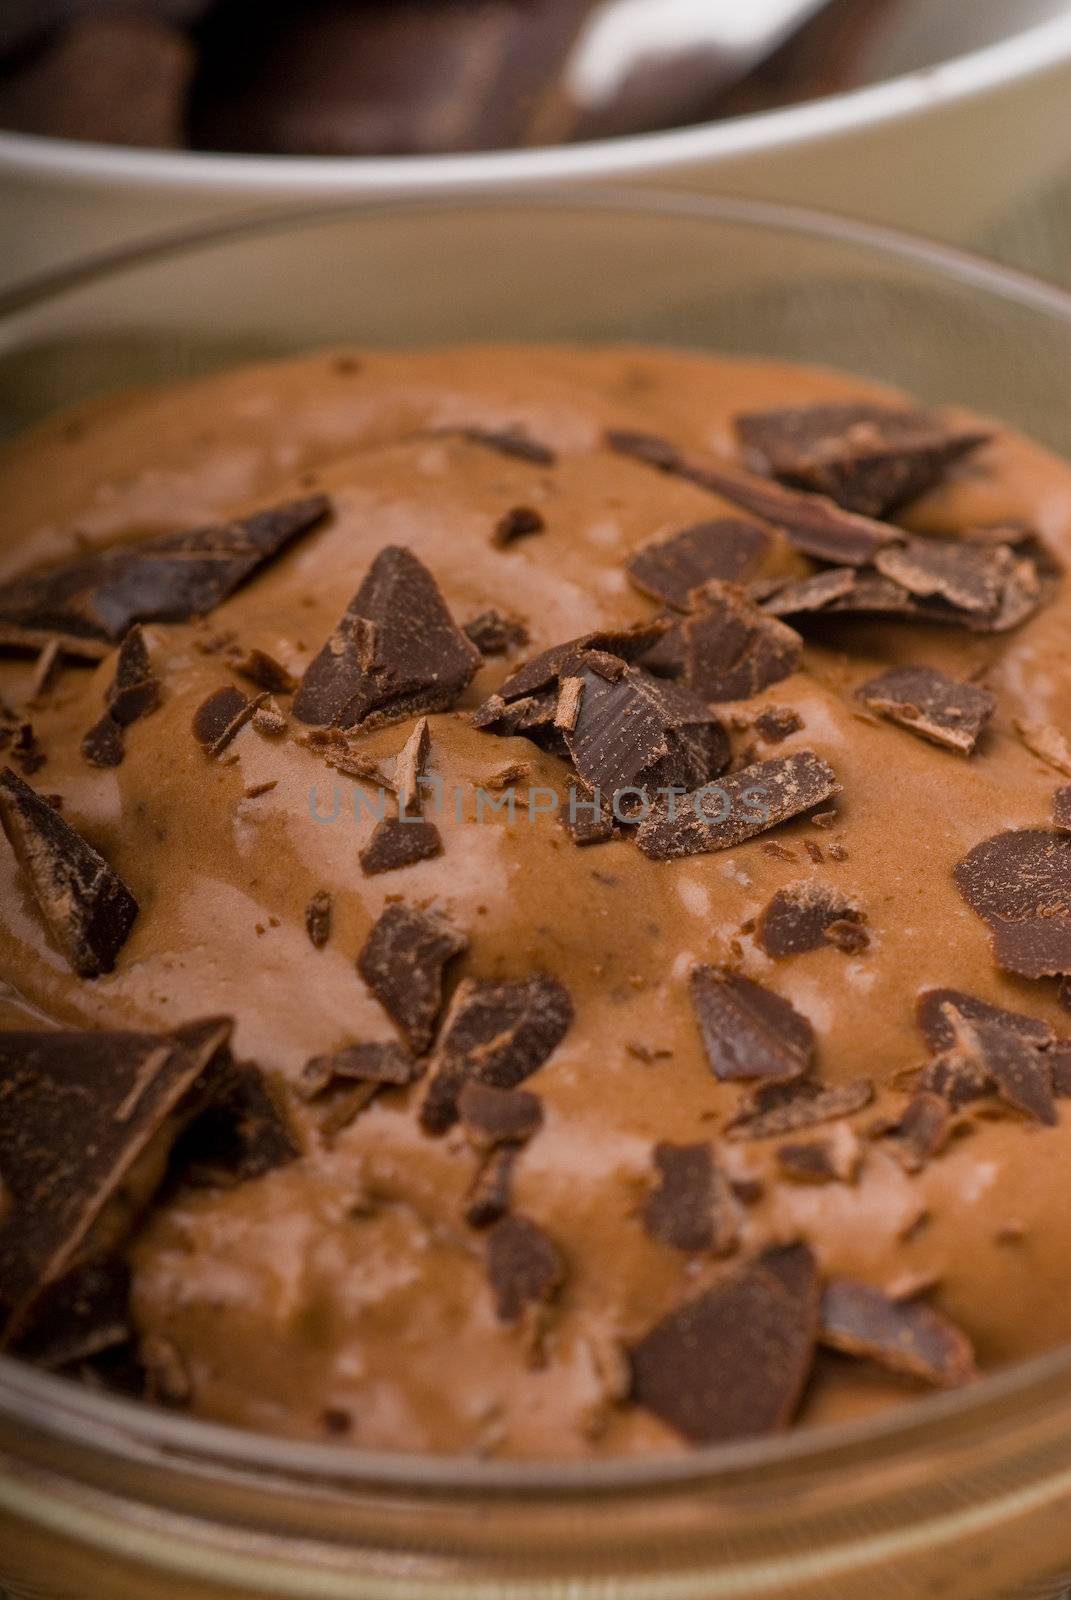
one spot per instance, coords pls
(965, 1496)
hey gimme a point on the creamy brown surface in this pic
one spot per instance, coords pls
(349, 1280)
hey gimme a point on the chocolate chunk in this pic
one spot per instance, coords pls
(732, 649)
(104, 745)
(494, 634)
(868, 458)
(736, 807)
(1019, 1071)
(670, 569)
(542, 671)
(969, 577)
(747, 1031)
(221, 717)
(398, 842)
(409, 768)
(588, 820)
(492, 1116)
(930, 703)
(244, 1133)
(777, 723)
(903, 1336)
(806, 916)
(637, 732)
(78, 1111)
(811, 523)
(778, 1108)
(955, 1078)
(938, 1012)
(734, 1361)
(1047, 743)
(88, 909)
(318, 919)
(402, 963)
(834, 1159)
(496, 1033)
(268, 719)
(167, 579)
(489, 1197)
(800, 595)
(524, 1265)
(1061, 809)
(692, 1208)
(530, 717)
(1020, 884)
(395, 653)
(79, 1316)
(510, 442)
(386, 1064)
(261, 669)
(922, 1132)
(518, 523)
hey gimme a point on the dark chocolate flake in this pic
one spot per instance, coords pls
(736, 807)
(403, 962)
(496, 1033)
(541, 672)
(906, 1337)
(78, 1112)
(922, 1132)
(692, 1208)
(520, 522)
(494, 634)
(134, 692)
(868, 458)
(777, 723)
(87, 907)
(524, 1265)
(939, 1011)
(808, 915)
(318, 919)
(748, 1031)
(774, 1109)
(83, 1314)
(931, 704)
(1019, 883)
(969, 577)
(244, 1132)
(734, 1361)
(171, 578)
(395, 653)
(262, 669)
(399, 842)
(508, 442)
(731, 649)
(488, 1198)
(835, 1158)
(670, 569)
(220, 717)
(493, 1116)
(800, 595)
(104, 744)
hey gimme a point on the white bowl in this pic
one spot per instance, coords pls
(941, 149)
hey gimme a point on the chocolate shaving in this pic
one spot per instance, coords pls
(903, 1336)
(799, 595)
(777, 723)
(692, 1208)
(808, 915)
(737, 807)
(399, 842)
(489, 1197)
(868, 458)
(508, 442)
(778, 1108)
(542, 671)
(938, 1011)
(88, 909)
(1019, 883)
(402, 963)
(637, 732)
(133, 692)
(519, 523)
(221, 717)
(731, 649)
(409, 769)
(495, 1033)
(492, 1117)
(1019, 1071)
(104, 745)
(922, 1132)
(835, 1159)
(381, 1065)
(969, 577)
(734, 1361)
(171, 578)
(670, 569)
(318, 919)
(78, 1111)
(395, 653)
(1047, 743)
(524, 1265)
(748, 1031)
(811, 523)
(931, 704)
(493, 634)
(261, 669)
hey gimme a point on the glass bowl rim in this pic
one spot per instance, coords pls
(109, 1424)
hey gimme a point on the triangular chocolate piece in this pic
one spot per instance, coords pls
(747, 1030)
(89, 910)
(395, 653)
(403, 961)
(727, 548)
(78, 1112)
